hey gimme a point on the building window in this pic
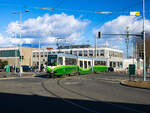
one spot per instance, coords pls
(9, 53)
(66, 52)
(98, 52)
(102, 53)
(91, 53)
(80, 53)
(75, 53)
(85, 53)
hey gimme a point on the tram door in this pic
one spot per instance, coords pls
(89, 64)
(81, 64)
(85, 65)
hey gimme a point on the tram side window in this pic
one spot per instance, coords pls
(52, 60)
(104, 63)
(70, 61)
(81, 64)
(60, 61)
(97, 62)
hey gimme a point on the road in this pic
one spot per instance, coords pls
(95, 93)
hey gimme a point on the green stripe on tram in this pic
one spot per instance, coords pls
(72, 69)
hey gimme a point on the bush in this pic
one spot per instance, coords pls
(2, 64)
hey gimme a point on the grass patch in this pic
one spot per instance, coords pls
(142, 84)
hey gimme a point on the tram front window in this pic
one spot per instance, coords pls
(52, 60)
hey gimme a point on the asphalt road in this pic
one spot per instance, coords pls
(100, 93)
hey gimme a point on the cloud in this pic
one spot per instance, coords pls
(118, 26)
(49, 27)
(6, 41)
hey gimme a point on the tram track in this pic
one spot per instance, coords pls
(96, 100)
(66, 100)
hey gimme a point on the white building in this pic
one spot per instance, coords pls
(138, 63)
(114, 56)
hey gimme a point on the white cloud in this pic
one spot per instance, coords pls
(11, 41)
(118, 26)
(49, 27)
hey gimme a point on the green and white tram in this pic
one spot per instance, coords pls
(62, 64)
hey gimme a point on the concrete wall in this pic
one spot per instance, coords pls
(27, 53)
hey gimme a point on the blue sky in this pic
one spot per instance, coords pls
(82, 21)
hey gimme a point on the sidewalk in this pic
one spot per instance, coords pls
(12, 74)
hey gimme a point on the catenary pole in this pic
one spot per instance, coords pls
(20, 43)
(144, 64)
(39, 57)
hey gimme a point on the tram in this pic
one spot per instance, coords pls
(66, 64)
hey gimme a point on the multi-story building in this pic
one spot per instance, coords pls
(139, 51)
(114, 57)
(12, 55)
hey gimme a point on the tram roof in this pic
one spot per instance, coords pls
(79, 57)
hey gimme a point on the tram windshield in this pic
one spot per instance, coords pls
(52, 60)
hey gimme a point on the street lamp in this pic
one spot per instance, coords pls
(20, 15)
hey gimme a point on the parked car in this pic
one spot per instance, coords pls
(26, 68)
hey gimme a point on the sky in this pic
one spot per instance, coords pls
(69, 21)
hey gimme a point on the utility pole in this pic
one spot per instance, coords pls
(20, 43)
(133, 51)
(95, 46)
(20, 15)
(144, 65)
(15, 55)
(39, 57)
(127, 40)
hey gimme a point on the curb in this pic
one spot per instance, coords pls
(9, 78)
(17, 77)
(121, 83)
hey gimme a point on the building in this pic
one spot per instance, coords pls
(139, 51)
(114, 56)
(12, 55)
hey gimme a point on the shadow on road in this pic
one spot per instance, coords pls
(43, 76)
(17, 103)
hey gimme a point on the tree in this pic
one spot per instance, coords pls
(2, 64)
